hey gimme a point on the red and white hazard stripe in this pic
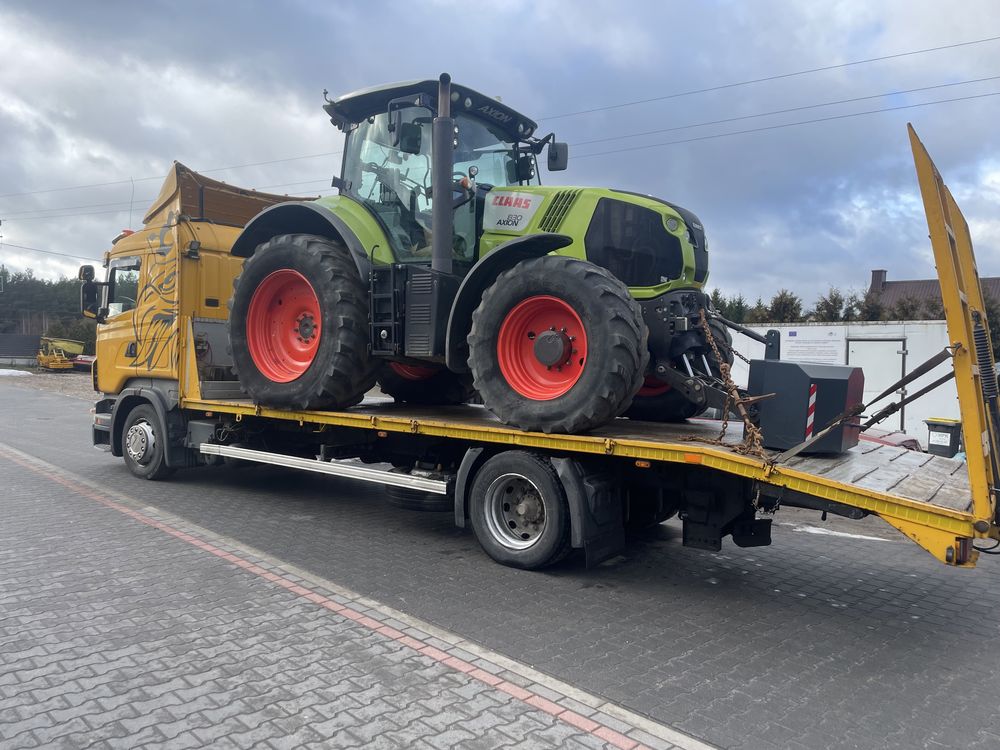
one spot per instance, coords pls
(811, 411)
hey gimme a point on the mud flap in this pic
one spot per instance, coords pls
(595, 509)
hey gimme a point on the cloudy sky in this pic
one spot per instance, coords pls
(97, 99)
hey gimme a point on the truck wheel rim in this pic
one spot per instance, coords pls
(412, 372)
(283, 326)
(542, 347)
(653, 387)
(140, 441)
(515, 511)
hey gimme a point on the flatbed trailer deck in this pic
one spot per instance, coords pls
(530, 496)
(927, 497)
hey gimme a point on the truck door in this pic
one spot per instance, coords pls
(156, 311)
(117, 340)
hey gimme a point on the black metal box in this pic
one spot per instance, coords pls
(807, 398)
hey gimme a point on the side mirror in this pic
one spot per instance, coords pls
(86, 273)
(558, 156)
(408, 137)
(395, 126)
(88, 297)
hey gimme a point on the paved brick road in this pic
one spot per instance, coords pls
(814, 642)
(121, 627)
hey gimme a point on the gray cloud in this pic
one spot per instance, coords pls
(105, 92)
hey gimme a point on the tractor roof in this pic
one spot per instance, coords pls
(359, 105)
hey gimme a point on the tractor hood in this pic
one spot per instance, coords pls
(651, 245)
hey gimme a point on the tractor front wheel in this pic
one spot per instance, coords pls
(557, 345)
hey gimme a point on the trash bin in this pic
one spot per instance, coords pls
(944, 436)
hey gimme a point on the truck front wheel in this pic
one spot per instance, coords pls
(143, 444)
(519, 512)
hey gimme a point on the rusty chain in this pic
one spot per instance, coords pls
(752, 443)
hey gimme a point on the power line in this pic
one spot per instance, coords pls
(27, 214)
(776, 77)
(160, 177)
(47, 252)
(786, 125)
(785, 111)
(122, 205)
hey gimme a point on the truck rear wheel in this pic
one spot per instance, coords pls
(143, 444)
(418, 384)
(557, 345)
(518, 510)
(298, 325)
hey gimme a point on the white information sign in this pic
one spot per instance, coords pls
(825, 346)
(510, 211)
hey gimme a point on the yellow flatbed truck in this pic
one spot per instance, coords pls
(169, 400)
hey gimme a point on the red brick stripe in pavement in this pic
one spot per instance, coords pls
(605, 733)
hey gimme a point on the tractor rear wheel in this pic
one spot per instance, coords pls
(419, 384)
(557, 345)
(297, 325)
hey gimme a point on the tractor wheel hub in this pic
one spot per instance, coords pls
(552, 347)
(306, 328)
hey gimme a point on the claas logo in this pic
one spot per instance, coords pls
(509, 201)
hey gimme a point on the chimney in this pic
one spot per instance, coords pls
(878, 281)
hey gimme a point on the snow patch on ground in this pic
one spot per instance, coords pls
(829, 532)
(12, 373)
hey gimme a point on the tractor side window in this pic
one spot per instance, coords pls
(123, 285)
(395, 181)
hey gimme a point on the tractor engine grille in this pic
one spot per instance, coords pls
(562, 202)
(632, 243)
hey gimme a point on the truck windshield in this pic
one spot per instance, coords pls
(394, 181)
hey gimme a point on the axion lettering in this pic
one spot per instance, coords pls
(496, 114)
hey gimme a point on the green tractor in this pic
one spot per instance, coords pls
(443, 269)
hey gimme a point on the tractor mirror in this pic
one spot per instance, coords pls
(409, 137)
(558, 156)
(395, 125)
(86, 273)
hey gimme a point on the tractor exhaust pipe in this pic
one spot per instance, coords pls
(443, 164)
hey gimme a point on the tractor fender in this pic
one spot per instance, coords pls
(481, 276)
(300, 218)
(162, 396)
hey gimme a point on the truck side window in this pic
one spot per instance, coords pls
(123, 284)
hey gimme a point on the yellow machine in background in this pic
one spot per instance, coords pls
(57, 354)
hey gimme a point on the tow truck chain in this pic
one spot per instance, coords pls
(752, 443)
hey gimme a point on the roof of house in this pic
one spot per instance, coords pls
(892, 292)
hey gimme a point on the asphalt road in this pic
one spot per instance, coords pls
(819, 641)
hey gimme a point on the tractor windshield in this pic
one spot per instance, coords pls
(391, 173)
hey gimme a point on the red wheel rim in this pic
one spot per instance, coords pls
(412, 372)
(518, 351)
(653, 387)
(283, 326)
